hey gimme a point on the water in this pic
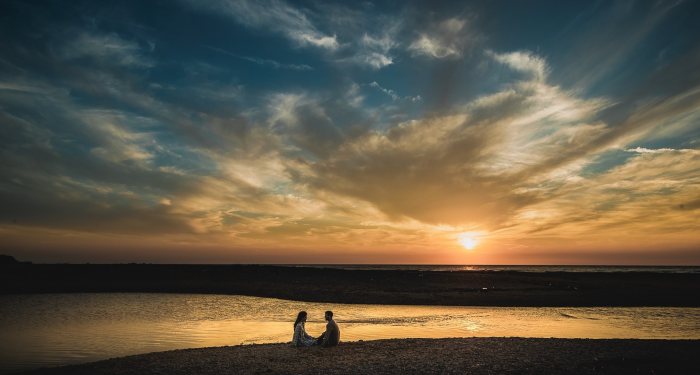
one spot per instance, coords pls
(453, 268)
(55, 329)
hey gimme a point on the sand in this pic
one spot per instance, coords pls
(407, 356)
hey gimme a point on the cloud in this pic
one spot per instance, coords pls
(365, 43)
(353, 96)
(275, 16)
(420, 170)
(305, 122)
(643, 150)
(264, 62)
(100, 165)
(107, 49)
(393, 95)
(650, 196)
(523, 61)
(485, 162)
(375, 51)
(114, 140)
(276, 64)
(303, 155)
(447, 39)
(612, 37)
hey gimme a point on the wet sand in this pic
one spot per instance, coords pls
(456, 356)
(464, 288)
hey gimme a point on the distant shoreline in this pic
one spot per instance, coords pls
(400, 287)
(458, 356)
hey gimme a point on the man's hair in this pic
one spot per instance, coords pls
(329, 313)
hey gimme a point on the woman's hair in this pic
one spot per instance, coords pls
(300, 317)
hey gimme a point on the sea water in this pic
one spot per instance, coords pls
(502, 268)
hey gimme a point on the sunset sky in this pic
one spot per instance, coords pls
(223, 131)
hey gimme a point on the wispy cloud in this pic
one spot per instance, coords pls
(446, 39)
(106, 48)
(392, 94)
(375, 52)
(264, 62)
(649, 196)
(644, 150)
(523, 61)
(611, 37)
(273, 15)
(276, 64)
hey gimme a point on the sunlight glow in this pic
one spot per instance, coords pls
(468, 240)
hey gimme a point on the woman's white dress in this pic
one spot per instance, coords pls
(301, 338)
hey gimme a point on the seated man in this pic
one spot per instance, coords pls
(332, 335)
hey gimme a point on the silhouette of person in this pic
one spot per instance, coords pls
(331, 337)
(301, 338)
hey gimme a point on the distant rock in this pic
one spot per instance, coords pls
(8, 259)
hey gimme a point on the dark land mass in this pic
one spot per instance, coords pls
(310, 284)
(414, 356)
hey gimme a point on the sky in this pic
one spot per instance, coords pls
(271, 131)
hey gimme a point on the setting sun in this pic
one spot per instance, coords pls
(468, 241)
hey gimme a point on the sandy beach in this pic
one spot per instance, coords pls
(452, 356)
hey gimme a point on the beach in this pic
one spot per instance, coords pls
(484, 355)
(402, 287)
(406, 356)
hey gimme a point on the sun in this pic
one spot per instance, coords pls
(468, 240)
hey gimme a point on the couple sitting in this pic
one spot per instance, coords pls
(329, 338)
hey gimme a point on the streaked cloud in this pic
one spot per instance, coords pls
(264, 62)
(106, 48)
(644, 150)
(273, 15)
(645, 197)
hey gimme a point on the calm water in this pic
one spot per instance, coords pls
(451, 268)
(55, 329)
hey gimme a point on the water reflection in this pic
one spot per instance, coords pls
(52, 329)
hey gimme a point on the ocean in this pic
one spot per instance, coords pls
(502, 268)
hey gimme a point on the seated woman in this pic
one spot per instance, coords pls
(301, 338)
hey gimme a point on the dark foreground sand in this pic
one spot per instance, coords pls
(457, 356)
